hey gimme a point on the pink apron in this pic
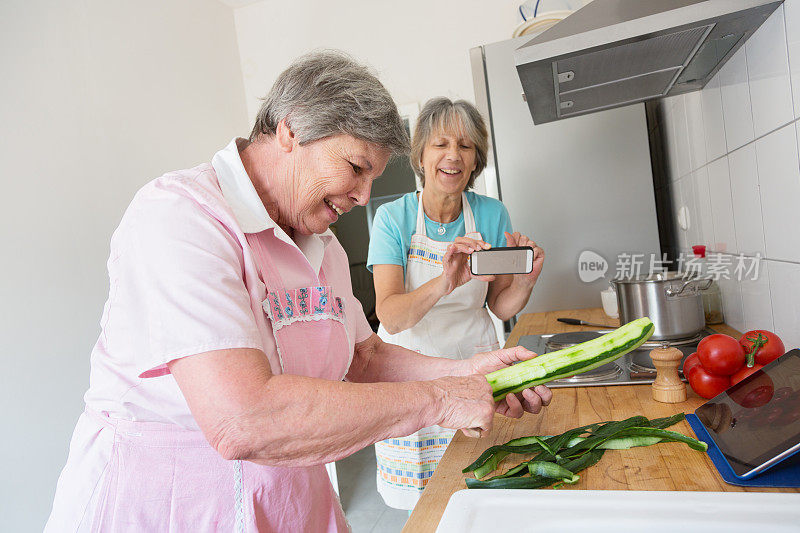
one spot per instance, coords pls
(164, 478)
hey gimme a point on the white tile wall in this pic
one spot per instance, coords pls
(779, 177)
(792, 15)
(681, 137)
(714, 126)
(679, 204)
(736, 109)
(784, 283)
(696, 135)
(688, 193)
(705, 220)
(732, 303)
(756, 301)
(768, 72)
(743, 184)
(721, 206)
(746, 200)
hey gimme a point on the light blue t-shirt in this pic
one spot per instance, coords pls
(395, 222)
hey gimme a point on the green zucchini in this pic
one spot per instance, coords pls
(570, 361)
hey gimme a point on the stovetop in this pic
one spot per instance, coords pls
(634, 368)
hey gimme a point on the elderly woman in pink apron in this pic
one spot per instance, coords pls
(234, 360)
(427, 300)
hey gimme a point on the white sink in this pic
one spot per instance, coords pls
(616, 511)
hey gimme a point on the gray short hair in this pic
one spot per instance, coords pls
(327, 93)
(442, 114)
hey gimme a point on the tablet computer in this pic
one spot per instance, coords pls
(756, 423)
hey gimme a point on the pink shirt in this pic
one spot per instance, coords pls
(183, 281)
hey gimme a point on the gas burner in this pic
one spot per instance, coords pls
(560, 341)
(651, 344)
(642, 369)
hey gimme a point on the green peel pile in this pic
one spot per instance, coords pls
(558, 459)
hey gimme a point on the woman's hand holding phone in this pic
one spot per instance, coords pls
(456, 263)
(518, 239)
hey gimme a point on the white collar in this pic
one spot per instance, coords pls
(249, 211)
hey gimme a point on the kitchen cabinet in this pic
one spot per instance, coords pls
(666, 466)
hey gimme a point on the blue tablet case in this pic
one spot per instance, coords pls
(784, 474)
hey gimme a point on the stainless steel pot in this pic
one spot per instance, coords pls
(671, 300)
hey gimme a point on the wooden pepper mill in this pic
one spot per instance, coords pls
(668, 387)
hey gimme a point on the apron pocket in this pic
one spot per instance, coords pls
(280, 499)
(166, 488)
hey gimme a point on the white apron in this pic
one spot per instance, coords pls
(457, 327)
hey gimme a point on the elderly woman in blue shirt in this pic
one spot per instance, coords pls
(426, 298)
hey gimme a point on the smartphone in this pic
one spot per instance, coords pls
(510, 260)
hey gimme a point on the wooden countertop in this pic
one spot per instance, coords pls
(668, 466)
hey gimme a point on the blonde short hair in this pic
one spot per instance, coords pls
(442, 114)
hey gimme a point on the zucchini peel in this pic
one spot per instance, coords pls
(559, 458)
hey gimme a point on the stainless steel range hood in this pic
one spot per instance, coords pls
(613, 53)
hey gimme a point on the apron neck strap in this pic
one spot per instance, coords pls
(469, 219)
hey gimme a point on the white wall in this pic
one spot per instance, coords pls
(97, 98)
(733, 158)
(420, 48)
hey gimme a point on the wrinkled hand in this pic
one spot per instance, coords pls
(466, 404)
(456, 265)
(514, 405)
(518, 239)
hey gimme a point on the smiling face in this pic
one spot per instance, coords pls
(328, 178)
(448, 160)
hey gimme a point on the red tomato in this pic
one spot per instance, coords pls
(706, 384)
(690, 362)
(766, 345)
(744, 372)
(755, 393)
(720, 354)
